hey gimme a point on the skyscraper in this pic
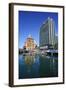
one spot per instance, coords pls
(47, 33)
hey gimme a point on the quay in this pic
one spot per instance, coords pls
(52, 52)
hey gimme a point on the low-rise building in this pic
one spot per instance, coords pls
(30, 43)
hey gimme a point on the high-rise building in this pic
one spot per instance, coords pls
(30, 44)
(47, 33)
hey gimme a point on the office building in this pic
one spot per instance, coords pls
(47, 33)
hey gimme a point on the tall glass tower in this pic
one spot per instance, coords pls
(47, 33)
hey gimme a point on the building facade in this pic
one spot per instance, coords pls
(47, 33)
(30, 44)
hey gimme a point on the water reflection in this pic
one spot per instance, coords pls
(29, 61)
(36, 66)
(48, 66)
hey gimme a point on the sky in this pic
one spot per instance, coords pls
(30, 23)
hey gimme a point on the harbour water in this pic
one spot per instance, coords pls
(37, 66)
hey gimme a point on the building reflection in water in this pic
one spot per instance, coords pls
(30, 67)
(48, 66)
(36, 66)
(29, 61)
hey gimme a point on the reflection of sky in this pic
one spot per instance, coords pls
(30, 22)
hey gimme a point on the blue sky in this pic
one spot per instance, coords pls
(30, 23)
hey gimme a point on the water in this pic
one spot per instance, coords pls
(37, 66)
